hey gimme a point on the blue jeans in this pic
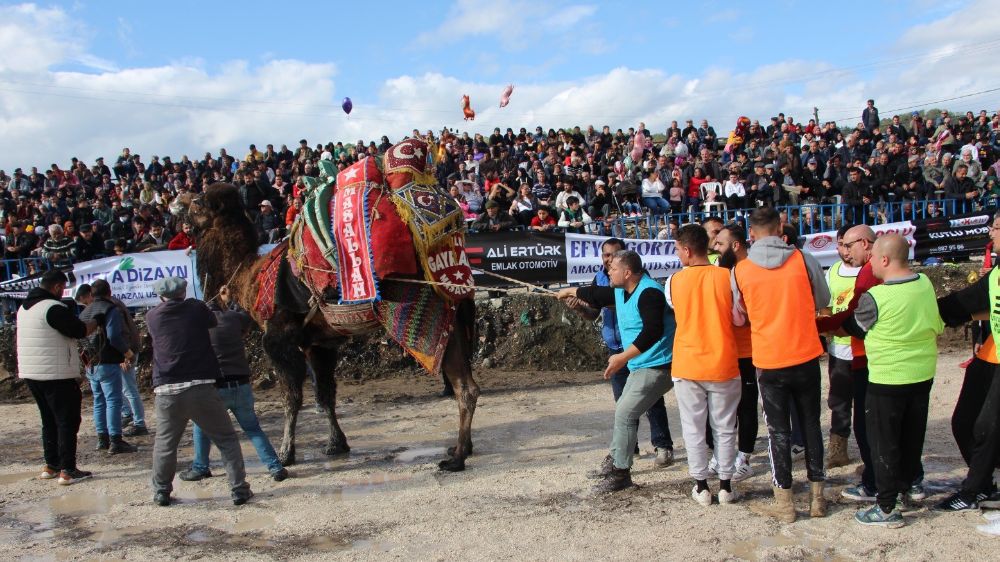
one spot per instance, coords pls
(106, 384)
(239, 401)
(659, 426)
(132, 405)
(657, 205)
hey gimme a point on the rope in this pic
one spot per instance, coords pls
(545, 291)
(519, 282)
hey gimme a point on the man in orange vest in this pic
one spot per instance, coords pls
(780, 292)
(731, 245)
(705, 371)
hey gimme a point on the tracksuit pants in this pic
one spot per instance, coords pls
(717, 402)
(779, 389)
(896, 417)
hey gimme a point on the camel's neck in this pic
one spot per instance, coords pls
(225, 252)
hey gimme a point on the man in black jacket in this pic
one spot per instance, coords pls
(857, 194)
(961, 188)
(185, 370)
(234, 389)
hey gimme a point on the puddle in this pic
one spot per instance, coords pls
(412, 455)
(70, 504)
(18, 477)
(328, 544)
(363, 487)
(198, 536)
(195, 495)
(811, 550)
(105, 534)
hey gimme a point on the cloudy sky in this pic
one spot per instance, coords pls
(88, 78)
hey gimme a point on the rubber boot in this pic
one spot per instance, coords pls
(837, 452)
(119, 445)
(783, 508)
(817, 503)
(102, 442)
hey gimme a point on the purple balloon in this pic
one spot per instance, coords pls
(347, 105)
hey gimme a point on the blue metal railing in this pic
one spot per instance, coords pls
(808, 218)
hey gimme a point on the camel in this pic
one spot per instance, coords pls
(295, 336)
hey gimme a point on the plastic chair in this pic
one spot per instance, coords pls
(719, 204)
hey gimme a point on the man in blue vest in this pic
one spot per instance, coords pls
(659, 426)
(646, 324)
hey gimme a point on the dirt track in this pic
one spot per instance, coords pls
(524, 495)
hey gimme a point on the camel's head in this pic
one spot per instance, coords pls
(219, 201)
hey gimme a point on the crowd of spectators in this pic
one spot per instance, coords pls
(572, 179)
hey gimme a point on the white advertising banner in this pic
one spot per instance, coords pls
(583, 256)
(132, 275)
(823, 245)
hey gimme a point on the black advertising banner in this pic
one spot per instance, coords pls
(953, 236)
(532, 257)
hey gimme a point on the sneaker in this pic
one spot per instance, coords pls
(916, 493)
(956, 502)
(726, 498)
(989, 500)
(68, 477)
(126, 420)
(876, 517)
(990, 528)
(161, 499)
(798, 452)
(135, 431)
(713, 466)
(703, 497)
(192, 475)
(279, 475)
(743, 469)
(664, 457)
(858, 493)
(242, 498)
(48, 473)
(992, 516)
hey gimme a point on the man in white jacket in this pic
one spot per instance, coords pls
(48, 360)
(735, 192)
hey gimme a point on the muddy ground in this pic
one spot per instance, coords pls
(543, 421)
(524, 495)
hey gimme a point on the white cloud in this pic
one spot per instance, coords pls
(515, 23)
(189, 107)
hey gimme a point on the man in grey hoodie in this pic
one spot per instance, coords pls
(780, 289)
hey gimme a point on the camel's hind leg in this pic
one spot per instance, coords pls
(289, 362)
(458, 368)
(323, 361)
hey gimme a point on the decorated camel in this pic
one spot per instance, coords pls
(379, 248)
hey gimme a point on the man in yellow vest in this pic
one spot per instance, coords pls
(982, 444)
(841, 278)
(781, 292)
(705, 371)
(899, 322)
(731, 245)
